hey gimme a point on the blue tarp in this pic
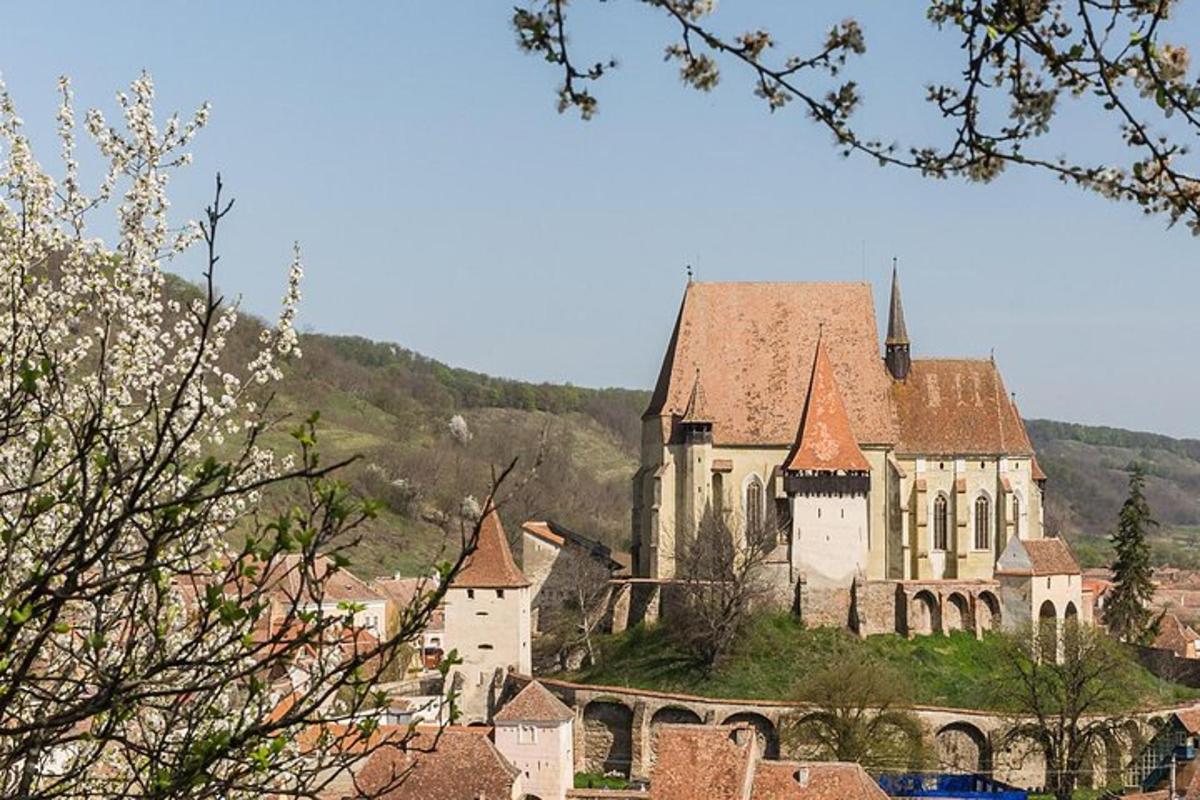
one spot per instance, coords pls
(950, 787)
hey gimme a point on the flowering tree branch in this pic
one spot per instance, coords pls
(1022, 61)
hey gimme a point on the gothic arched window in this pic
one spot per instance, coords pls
(754, 505)
(1016, 515)
(939, 523)
(983, 526)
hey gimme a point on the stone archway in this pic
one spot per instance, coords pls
(1022, 761)
(1047, 632)
(1101, 766)
(987, 611)
(957, 613)
(962, 747)
(669, 715)
(764, 729)
(608, 737)
(924, 616)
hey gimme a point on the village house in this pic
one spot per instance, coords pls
(775, 408)
(1174, 635)
(1040, 583)
(400, 594)
(535, 732)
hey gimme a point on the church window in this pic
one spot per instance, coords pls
(983, 510)
(718, 493)
(754, 504)
(1016, 516)
(939, 523)
(783, 519)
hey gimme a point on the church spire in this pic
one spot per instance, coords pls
(896, 344)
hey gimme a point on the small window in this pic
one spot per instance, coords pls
(982, 465)
(470, 594)
(1016, 516)
(500, 593)
(486, 647)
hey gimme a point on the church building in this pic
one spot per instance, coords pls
(776, 413)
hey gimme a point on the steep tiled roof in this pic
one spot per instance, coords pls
(1051, 557)
(1174, 635)
(897, 331)
(824, 440)
(713, 762)
(402, 591)
(1036, 468)
(753, 343)
(491, 566)
(957, 407)
(1190, 719)
(790, 780)
(458, 764)
(282, 578)
(697, 405)
(534, 703)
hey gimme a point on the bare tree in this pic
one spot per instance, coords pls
(1064, 707)
(860, 712)
(568, 629)
(720, 581)
(1021, 62)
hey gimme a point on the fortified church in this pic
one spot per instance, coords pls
(889, 486)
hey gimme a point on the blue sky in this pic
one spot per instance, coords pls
(442, 203)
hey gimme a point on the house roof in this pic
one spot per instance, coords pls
(1190, 719)
(491, 565)
(753, 343)
(559, 535)
(534, 703)
(1036, 468)
(402, 591)
(824, 440)
(283, 577)
(1051, 557)
(957, 406)
(792, 780)
(459, 764)
(711, 761)
(1174, 635)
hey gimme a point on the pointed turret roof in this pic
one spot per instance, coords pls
(897, 332)
(491, 565)
(534, 703)
(825, 440)
(697, 406)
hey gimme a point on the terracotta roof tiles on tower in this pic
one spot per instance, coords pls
(697, 407)
(491, 566)
(825, 441)
(534, 703)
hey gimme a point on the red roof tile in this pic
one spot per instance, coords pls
(283, 577)
(1175, 635)
(534, 703)
(1051, 557)
(491, 565)
(790, 780)
(825, 441)
(708, 761)
(957, 407)
(458, 764)
(753, 342)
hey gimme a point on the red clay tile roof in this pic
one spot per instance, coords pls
(1038, 474)
(791, 780)
(282, 578)
(1174, 635)
(824, 440)
(697, 406)
(460, 764)
(702, 761)
(957, 407)
(1051, 557)
(402, 591)
(534, 703)
(491, 566)
(754, 342)
(1190, 719)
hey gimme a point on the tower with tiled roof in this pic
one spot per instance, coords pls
(487, 620)
(827, 481)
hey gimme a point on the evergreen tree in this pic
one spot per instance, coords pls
(1128, 615)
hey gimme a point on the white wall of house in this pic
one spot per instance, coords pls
(544, 753)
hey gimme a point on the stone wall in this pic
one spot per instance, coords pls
(1168, 666)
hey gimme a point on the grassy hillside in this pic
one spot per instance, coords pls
(777, 652)
(1088, 471)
